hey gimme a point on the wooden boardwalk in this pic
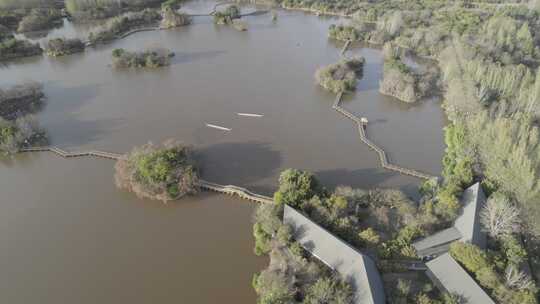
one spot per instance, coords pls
(66, 154)
(235, 190)
(361, 124)
(243, 193)
(345, 47)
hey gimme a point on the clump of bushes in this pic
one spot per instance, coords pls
(60, 46)
(342, 76)
(343, 33)
(291, 274)
(512, 289)
(11, 47)
(403, 82)
(21, 100)
(40, 19)
(19, 133)
(151, 58)
(171, 18)
(117, 26)
(227, 16)
(163, 173)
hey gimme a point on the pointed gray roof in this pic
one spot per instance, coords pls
(467, 227)
(468, 223)
(358, 269)
(449, 276)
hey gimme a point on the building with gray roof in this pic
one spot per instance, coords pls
(466, 228)
(356, 268)
(450, 277)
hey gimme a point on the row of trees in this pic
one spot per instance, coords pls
(122, 24)
(100, 9)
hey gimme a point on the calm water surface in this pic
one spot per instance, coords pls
(68, 236)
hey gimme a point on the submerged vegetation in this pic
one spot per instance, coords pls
(21, 100)
(61, 46)
(163, 173)
(342, 76)
(117, 26)
(150, 58)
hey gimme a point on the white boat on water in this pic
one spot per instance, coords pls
(250, 114)
(217, 127)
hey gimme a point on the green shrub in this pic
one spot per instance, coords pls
(295, 187)
(470, 256)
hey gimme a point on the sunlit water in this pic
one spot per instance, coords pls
(69, 236)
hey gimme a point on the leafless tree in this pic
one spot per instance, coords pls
(500, 216)
(517, 279)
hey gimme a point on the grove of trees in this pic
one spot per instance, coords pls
(149, 58)
(341, 76)
(165, 172)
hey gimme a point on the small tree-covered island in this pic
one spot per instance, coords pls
(150, 58)
(165, 173)
(467, 234)
(341, 76)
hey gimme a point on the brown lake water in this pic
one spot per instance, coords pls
(68, 236)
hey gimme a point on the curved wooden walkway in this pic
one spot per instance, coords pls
(235, 190)
(362, 123)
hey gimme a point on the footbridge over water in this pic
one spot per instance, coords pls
(241, 192)
(361, 123)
